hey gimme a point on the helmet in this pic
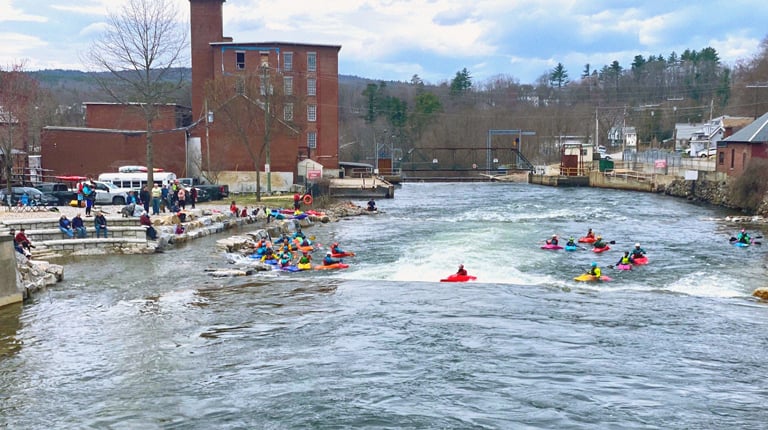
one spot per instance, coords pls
(328, 254)
(461, 266)
(304, 252)
(570, 238)
(637, 245)
(335, 243)
(554, 235)
(594, 264)
(599, 237)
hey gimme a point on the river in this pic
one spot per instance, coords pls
(152, 342)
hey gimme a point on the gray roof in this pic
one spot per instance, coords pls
(757, 132)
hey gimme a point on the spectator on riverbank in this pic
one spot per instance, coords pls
(145, 221)
(145, 197)
(100, 223)
(23, 240)
(65, 226)
(78, 226)
(157, 193)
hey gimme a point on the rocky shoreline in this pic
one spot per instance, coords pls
(206, 219)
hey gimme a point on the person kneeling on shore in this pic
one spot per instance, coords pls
(145, 221)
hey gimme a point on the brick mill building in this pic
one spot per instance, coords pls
(296, 83)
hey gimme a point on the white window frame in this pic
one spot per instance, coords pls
(311, 113)
(288, 112)
(288, 61)
(312, 140)
(288, 85)
(311, 61)
(239, 65)
(311, 86)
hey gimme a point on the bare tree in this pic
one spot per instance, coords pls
(254, 108)
(18, 93)
(142, 49)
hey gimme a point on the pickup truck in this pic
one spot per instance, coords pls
(213, 191)
(59, 190)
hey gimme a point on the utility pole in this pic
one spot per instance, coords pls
(266, 88)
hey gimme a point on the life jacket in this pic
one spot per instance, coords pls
(625, 260)
(304, 260)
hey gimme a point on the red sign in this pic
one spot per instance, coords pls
(660, 164)
(314, 174)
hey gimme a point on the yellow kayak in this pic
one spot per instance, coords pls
(586, 277)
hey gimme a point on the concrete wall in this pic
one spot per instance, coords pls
(9, 292)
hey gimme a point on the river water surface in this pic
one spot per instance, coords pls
(153, 342)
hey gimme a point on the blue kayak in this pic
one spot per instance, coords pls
(571, 247)
(740, 244)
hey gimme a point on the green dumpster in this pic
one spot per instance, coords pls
(605, 164)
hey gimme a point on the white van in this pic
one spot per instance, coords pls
(136, 180)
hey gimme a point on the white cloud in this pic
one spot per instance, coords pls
(10, 13)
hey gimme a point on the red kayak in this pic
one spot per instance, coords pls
(331, 266)
(599, 250)
(459, 278)
(587, 239)
(342, 254)
(639, 261)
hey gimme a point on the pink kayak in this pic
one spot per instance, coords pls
(624, 267)
(550, 246)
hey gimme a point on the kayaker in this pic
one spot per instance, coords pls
(328, 260)
(571, 242)
(637, 252)
(590, 234)
(335, 248)
(552, 241)
(285, 260)
(462, 271)
(371, 205)
(626, 259)
(743, 237)
(305, 259)
(594, 270)
(599, 243)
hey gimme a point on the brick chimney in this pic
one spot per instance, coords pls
(206, 23)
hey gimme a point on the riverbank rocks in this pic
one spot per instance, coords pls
(34, 276)
(761, 293)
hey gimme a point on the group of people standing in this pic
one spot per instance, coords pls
(172, 197)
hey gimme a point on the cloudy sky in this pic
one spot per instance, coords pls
(395, 39)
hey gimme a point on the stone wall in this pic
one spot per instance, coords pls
(9, 292)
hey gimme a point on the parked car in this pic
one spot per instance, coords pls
(58, 190)
(34, 196)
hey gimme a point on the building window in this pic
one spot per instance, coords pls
(311, 113)
(240, 85)
(240, 60)
(721, 157)
(288, 61)
(288, 85)
(311, 61)
(733, 157)
(288, 112)
(312, 140)
(311, 87)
